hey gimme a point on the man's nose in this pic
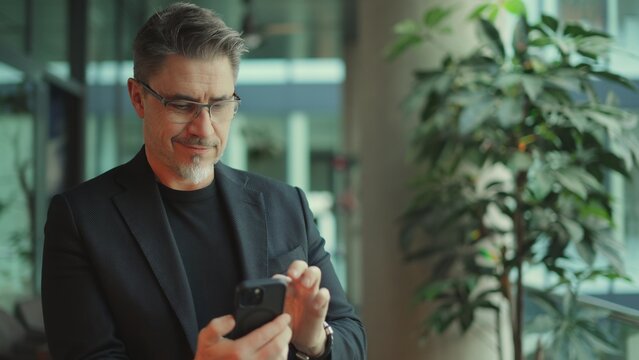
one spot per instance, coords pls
(202, 123)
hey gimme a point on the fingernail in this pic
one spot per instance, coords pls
(306, 282)
(282, 277)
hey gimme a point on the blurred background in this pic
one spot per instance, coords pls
(320, 110)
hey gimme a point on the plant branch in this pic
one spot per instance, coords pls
(520, 234)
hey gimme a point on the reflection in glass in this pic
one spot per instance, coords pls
(13, 25)
(16, 187)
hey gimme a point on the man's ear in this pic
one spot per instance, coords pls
(135, 94)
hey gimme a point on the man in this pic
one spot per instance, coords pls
(142, 261)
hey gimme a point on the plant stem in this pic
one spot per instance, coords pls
(519, 315)
(518, 308)
(500, 349)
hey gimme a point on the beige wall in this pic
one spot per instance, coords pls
(376, 135)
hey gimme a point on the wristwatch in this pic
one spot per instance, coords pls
(327, 347)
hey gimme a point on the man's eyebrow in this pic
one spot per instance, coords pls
(179, 96)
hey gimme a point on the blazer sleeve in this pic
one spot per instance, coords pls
(349, 336)
(77, 320)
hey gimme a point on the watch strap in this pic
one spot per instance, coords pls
(328, 347)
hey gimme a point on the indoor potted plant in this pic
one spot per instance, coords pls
(513, 146)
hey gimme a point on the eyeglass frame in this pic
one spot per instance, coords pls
(235, 98)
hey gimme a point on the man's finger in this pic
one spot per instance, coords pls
(216, 329)
(311, 277)
(282, 277)
(296, 269)
(321, 301)
(262, 335)
(277, 346)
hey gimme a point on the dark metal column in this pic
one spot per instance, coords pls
(77, 61)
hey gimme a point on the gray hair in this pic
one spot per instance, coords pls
(187, 30)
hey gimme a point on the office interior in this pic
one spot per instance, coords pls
(320, 110)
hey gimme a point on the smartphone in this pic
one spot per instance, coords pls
(256, 303)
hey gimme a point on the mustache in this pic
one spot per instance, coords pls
(195, 140)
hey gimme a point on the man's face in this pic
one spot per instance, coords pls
(182, 155)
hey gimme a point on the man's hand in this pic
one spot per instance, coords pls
(267, 342)
(307, 304)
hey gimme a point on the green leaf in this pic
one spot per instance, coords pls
(540, 183)
(611, 250)
(510, 111)
(576, 118)
(515, 7)
(613, 162)
(533, 85)
(609, 122)
(574, 228)
(551, 22)
(573, 185)
(593, 47)
(474, 115)
(594, 208)
(466, 319)
(492, 36)
(565, 79)
(406, 27)
(492, 13)
(403, 43)
(520, 161)
(586, 251)
(434, 290)
(577, 31)
(436, 15)
(508, 83)
(599, 341)
(478, 12)
(618, 79)
(541, 323)
(540, 41)
(583, 176)
(608, 273)
(546, 301)
(590, 55)
(442, 318)
(485, 304)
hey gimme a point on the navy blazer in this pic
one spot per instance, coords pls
(113, 283)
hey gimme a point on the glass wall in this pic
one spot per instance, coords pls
(620, 19)
(50, 38)
(60, 126)
(13, 34)
(16, 186)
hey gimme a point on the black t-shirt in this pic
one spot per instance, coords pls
(209, 252)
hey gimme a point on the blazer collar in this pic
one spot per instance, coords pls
(248, 219)
(141, 206)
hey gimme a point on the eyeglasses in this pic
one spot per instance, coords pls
(184, 111)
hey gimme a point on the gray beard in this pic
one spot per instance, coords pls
(195, 172)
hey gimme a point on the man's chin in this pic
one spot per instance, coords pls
(196, 173)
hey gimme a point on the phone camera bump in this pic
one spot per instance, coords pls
(252, 296)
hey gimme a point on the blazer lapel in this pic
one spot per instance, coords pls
(141, 206)
(248, 220)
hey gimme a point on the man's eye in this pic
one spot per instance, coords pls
(218, 106)
(181, 106)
